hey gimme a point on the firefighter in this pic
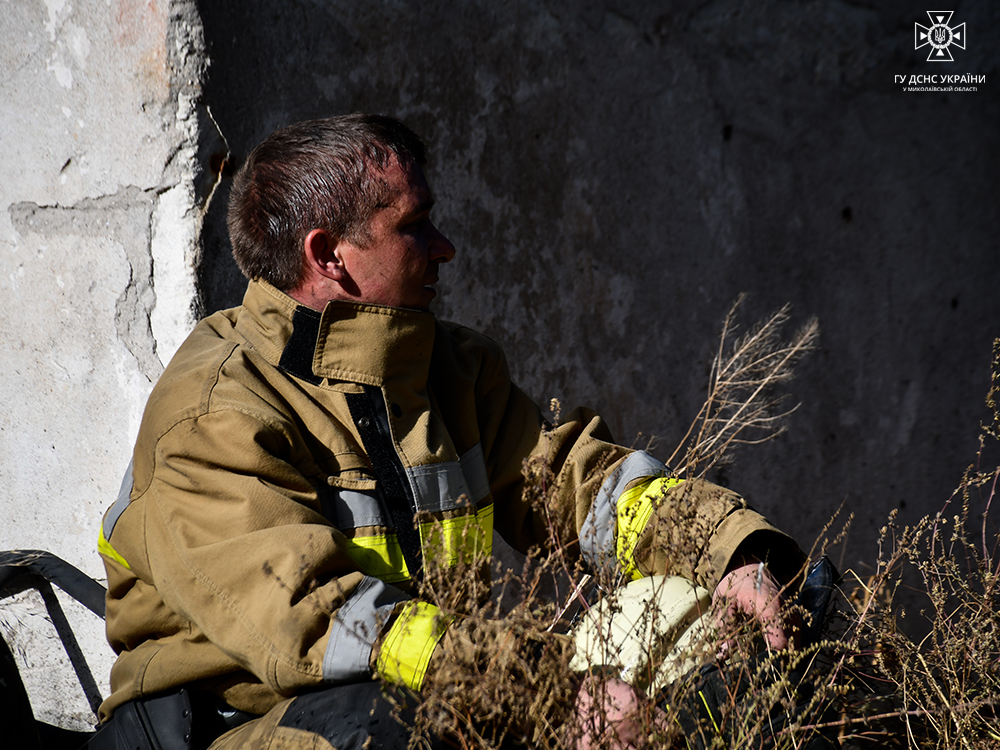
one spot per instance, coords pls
(309, 457)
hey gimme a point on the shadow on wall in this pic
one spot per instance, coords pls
(615, 175)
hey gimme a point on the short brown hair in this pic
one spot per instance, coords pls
(318, 174)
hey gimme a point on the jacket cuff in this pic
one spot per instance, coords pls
(746, 532)
(598, 532)
(407, 646)
(355, 629)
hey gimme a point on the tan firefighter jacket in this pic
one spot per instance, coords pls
(264, 540)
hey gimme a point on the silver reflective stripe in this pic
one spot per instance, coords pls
(355, 628)
(439, 487)
(474, 469)
(350, 509)
(119, 506)
(450, 484)
(597, 535)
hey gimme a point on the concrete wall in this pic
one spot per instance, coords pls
(613, 174)
(616, 173)
(100, 126)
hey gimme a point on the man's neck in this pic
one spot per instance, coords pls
(313, 296)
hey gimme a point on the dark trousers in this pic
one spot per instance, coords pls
(343, 717)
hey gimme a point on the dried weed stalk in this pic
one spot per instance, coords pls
(507, 679)
(742, 406)
(941, 688)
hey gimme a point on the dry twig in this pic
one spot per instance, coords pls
(742, 406)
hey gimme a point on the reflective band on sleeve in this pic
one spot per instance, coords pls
(407, 647)
(439, 487)
(351, 508)
(474, 468)
(104, 547)
(634, 510)
(466, 538)
(119, 506)
(355, 628)
(111, 519)
(463, 538)
(597, 535)
(450, 484)
(379, 556)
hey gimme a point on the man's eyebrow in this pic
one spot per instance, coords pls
(423, 206)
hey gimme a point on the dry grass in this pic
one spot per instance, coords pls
(743, 405)
(865, 684)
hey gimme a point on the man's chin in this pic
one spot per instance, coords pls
(419, 300)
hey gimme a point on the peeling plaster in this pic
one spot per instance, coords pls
(125, 218)
(57, 15)
(173, 245)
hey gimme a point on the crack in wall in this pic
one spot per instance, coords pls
(192, 174)
(126, 218)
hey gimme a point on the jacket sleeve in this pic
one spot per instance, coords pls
(692, 528)
(572, 486)
(231, 536)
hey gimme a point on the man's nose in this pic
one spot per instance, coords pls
(441, 248)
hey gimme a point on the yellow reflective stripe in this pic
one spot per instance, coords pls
(465, 538)
(379, 556)
(635, 507)
(485, 518)
(104, 547)
(407, 647)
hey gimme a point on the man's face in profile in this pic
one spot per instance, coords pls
(400, 264)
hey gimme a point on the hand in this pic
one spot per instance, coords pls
(611, 715)
(749, 590)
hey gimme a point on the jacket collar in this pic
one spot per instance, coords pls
(360, 343)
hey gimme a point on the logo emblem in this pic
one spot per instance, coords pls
(939, 35)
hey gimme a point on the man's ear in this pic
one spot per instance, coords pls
(323, 255)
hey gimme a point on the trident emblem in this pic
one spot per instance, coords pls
(939, 35)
